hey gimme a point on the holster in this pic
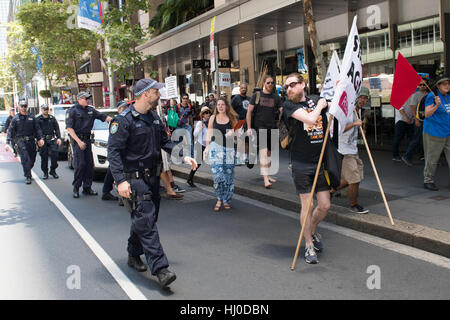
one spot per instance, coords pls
(131, 204)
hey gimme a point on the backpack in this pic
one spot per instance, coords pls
(420, 110)
(286, 126)
(172, 118)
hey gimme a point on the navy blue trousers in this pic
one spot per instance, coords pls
(50, 147)
(108, 182)
(83, 163)
(27, 152)
(144, 237)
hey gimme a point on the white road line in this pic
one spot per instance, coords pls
(415, 253)
(130, 289)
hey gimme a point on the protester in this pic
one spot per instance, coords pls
(261, 116)
(212, 101)
(200, 131)
(436, 130)
(404, 125)
(309, 123)
(185, 122)
(220, 152)
(352, 165)
(240, 105)
(416, 143)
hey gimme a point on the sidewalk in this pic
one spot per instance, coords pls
(421, 217)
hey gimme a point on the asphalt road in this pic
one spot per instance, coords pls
(245, 253)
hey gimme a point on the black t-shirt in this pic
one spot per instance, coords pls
(307, 143)
(266, 110)
(240, 105)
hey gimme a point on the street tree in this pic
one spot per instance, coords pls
(124, 33)
(315, 43)
(61, 48)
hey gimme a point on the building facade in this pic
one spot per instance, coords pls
(253, 33)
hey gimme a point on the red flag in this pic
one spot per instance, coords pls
(405, 84)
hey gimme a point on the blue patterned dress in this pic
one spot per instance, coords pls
(222, 162)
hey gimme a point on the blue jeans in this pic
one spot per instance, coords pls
(416, 144)
(188, 128)
(401, 128)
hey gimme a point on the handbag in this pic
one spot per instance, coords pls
(332, 165)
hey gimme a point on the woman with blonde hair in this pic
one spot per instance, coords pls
(220, 151)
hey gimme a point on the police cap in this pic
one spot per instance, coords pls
(146, 84)
(44, 106)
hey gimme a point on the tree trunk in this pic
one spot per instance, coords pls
(315, 44)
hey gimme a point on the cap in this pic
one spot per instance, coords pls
(121, 104)
(23, 103)
(44, 106)
(83, 95)
(146, 84)
(364, 92)
(203, 110)
(442, 79)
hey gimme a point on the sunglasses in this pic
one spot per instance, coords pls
(270, 82)
(422, 85)
(292, 85)
(206, 112)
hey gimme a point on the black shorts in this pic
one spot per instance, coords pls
(303, 176)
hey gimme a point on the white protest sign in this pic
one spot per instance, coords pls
(171, 87)
(334, 69)
(224, 79)
(163, 92)
(350, 80)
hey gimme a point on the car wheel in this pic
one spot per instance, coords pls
(69, 157)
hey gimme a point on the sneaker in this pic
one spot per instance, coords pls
(316, 239)
(310, 255)
(397, 159)
(177, 189)
(407, 162)
(359, 209)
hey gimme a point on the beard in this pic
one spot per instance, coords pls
(296, 97)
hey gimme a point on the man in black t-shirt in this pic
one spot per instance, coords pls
(265, 113)
(240, 105)
(310, 123)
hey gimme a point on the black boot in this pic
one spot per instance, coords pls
(136, 263)
(89, 192)
(28, 181)
(45, 177)
(75, 193)
(165, 277)
(54, 174)
(190, 180)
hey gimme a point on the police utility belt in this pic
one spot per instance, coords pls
(48, 137)
(144, 173)
(25, 138)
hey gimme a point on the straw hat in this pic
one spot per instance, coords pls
(203, 110)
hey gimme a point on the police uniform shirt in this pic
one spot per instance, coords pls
(135, 142)
(49, 126)
(81, 119)
(24, 126)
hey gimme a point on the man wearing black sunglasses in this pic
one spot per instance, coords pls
(265, 116)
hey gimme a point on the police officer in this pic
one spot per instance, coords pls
(79, 122)
(52, 138)
(12, 113)
(23, 131)
(136, 138)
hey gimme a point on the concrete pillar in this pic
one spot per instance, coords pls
(444, 13)
(247, 64)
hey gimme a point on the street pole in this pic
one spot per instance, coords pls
(216, 58)
(112, 94)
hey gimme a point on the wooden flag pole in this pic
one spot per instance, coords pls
(312, 192)
(375, 170)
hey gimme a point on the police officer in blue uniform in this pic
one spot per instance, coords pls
(23, 132)
(136, 138)
(79, 122)
(52, 138)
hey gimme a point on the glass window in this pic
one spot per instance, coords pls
(404, 39)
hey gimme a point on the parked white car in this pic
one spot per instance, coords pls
(100, 133)
(59, 112)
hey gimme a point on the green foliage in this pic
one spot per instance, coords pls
(45, 93)
(172, 13)
(45, 26)
(123, 36)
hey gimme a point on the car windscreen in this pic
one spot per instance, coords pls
(3, 119)
(59, 113)
(100, 125)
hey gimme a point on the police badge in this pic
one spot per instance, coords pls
(114, 127)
